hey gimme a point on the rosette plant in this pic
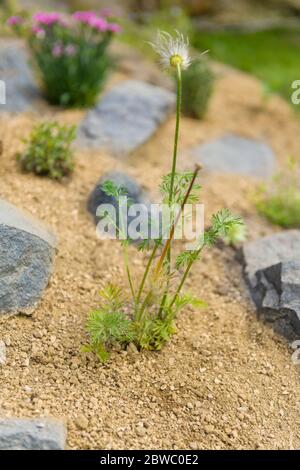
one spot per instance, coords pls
(70, 53)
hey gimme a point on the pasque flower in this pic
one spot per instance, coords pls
(173, 50)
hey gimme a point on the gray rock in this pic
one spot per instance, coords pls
(26, 253)
(135, 194)
(272, 270)
(31, 434)
(126, 117)
(236, 155)
(21, 89)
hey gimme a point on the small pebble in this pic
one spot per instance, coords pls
(37, 334)
(131, 348)
(2, 353)
(81, 422)
(193, 445)
(140, 431)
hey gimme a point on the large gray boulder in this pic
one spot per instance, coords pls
(31, 434)
(20, 86)
(126, 117)
(26, 254)
(272, 270)
(236, 155)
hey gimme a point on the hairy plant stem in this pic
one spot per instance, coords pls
(173, 171)
(172, 231)
(165, 250)
(126, 261)
(140, 291)
(185, 275)
(175, 151)
(128, 273)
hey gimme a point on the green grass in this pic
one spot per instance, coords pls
(281, 209)
(272, 56)
(279, 202)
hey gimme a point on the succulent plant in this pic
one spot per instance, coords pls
(198, 83)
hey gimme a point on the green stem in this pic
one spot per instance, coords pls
(126, 261)
(128, 273)
(175, 150)
(175, 222)
(185, 275)
(141, 311)
(151, 258)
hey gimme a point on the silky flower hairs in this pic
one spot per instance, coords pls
(173, 50)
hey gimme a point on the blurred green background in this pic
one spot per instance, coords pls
(258, 37)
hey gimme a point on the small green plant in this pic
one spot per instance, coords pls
(70, 53)
(147, 316)
(48, 151)
(198, 83)
(280, 203)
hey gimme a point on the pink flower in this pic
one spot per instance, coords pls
(57, 50)
(14, 20)
(114, 28)
(84, 16)
(47, 19)
(70, 50)
(98, 23)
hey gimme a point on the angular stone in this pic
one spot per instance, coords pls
(272, 270)
(26, 254)
(125, 117)
(31, 434)
(236, 155)
(20, 87)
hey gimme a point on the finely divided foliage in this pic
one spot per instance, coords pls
(147, 316)
(48, 150)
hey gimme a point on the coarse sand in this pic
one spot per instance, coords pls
(225, 381)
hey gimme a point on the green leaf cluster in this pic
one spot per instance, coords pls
(48, 150)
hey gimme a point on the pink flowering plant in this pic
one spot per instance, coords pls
(70, 52)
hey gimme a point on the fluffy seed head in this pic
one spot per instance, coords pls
(173, 50)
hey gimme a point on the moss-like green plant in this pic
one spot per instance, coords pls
(48, 151)
(198, 81)
(280, 203)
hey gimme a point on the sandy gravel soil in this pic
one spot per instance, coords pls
(225, 381)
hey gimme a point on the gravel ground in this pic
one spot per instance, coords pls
(225, 381)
